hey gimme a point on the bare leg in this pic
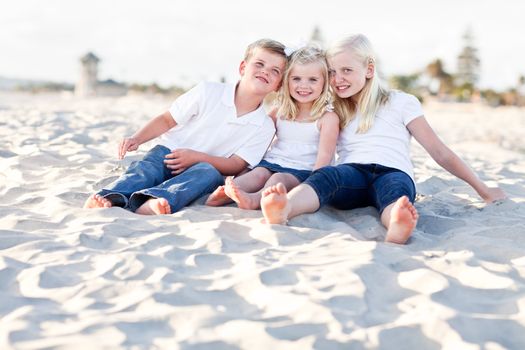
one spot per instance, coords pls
(249, 181)
(400, 219)
(243, 199)
(218, 197)
(247, 200)
(97, 201)
(154, 206)
(253, 180)
(278, 206)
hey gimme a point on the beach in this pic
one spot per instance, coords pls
(219, 278)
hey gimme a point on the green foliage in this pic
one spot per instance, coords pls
(154, 88)
(407, 83)
(404, 82)
(492, 97)
(44, 87)
(463, 92)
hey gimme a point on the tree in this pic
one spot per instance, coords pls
(468, 62)
(406, 83)
(521, 91)
(317, 38)
(437, 73)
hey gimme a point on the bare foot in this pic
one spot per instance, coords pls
(154, 206)
(403, 220)
(274, 204)
(243, 199)
(218, 198)
(97, 201)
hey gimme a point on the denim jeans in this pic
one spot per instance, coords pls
(349, 186)
(150, 178)
(299, 174)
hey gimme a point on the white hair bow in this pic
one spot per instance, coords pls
(289, 50)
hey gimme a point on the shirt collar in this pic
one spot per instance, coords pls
(255, 117)
(228, 95)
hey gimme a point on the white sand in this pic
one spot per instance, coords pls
(216, 278)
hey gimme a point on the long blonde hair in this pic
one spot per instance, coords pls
(287, 106)
(373, 95)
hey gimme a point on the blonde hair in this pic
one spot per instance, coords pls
(266, 44)
(287, 106)
(373, 95)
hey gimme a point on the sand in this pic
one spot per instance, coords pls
(217, 278)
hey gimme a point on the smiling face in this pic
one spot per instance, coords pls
(263, 71)
(306, 82)
(348, 75)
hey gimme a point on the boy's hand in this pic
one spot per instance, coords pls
(493, 194)
(126, 145)
(181, 159)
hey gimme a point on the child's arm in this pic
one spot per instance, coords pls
(446, 158)
(329, 131)
(181, 159)
(154, 128)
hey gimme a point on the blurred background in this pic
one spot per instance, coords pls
(468, 49)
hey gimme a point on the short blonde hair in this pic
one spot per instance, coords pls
(373, 95)
(266, 44)
(287, 106)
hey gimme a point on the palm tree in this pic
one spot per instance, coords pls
(436, 72)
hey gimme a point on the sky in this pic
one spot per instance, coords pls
(175, 42)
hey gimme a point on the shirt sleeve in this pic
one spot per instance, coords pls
(188, 105)
(412, 109)
(253, 150)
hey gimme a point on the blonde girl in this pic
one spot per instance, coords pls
(374, 167)
(306, 135)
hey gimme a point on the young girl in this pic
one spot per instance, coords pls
(374, 167)
(306, 134)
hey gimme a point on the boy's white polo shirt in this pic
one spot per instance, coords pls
(207, 122)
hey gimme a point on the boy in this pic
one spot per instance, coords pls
(214, 129)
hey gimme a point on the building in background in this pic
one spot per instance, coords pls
(88, 84)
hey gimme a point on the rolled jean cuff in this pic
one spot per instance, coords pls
(116, 199)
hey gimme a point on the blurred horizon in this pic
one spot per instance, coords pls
(183, 42)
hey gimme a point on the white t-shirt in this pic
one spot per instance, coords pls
(207, 122)
(296, 145)
(387, 142)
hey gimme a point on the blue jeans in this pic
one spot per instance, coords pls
(150, 178)
(300, 175)
(350, 186)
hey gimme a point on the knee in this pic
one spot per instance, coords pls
(261, 174)
(156, 154)
(208, 169)
(328, 174)
(278, 177)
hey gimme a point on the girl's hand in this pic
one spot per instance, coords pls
(493, 194)
(126, 145)
(181, 159)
